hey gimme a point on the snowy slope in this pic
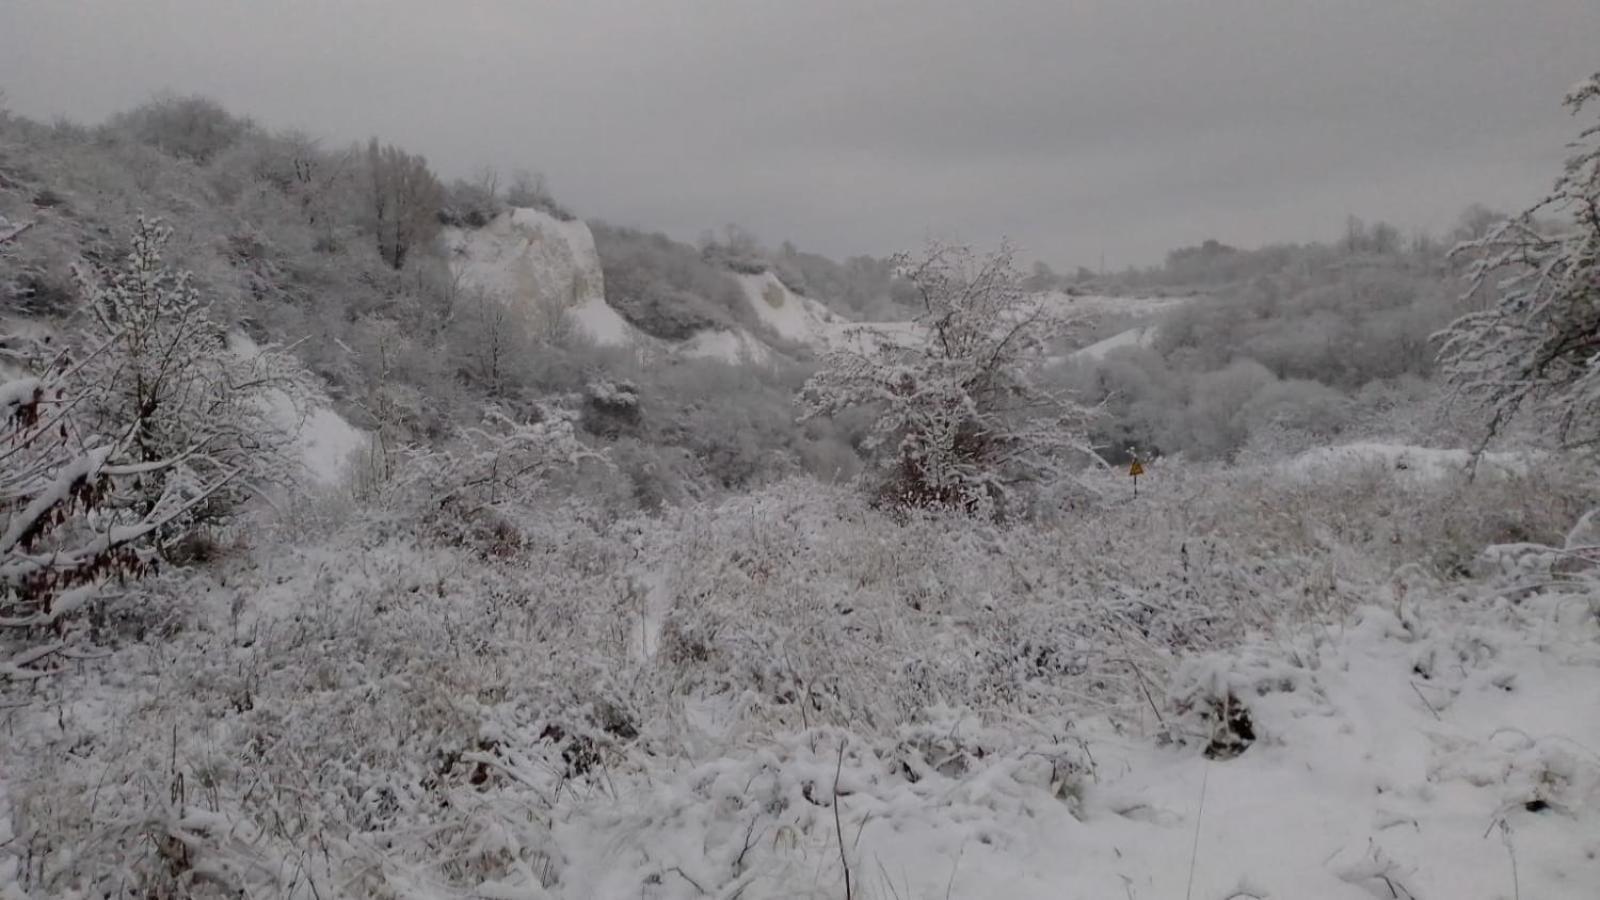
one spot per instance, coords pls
(321, 440)
(529, 257)
(790, 316)
(1133, 337)
(733, 347)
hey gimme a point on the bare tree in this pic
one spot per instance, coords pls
(405, 199)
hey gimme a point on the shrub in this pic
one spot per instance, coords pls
(109, 460)
(962, 423)
(195, 128)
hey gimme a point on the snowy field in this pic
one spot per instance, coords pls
(1242, 684)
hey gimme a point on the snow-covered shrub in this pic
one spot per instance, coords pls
(194, 127)
(166, 378)
(530, 190)
(611, 407)
(482, 488)
(471, 204)
(113, 459)
(1534, 345)
(960, 420)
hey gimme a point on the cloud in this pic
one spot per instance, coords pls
(1124, 126)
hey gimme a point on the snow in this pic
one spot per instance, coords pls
(1366, 776)
(1106, 304)
(1133, 337)
(838, 333)
(531, 258)
(735, 346)
(17, 391)
(1415, 462)
(323, 441)
(392, 698)
(1386, 751)
(10, 864)
(327, 443)
(602, 323)
(790, 316)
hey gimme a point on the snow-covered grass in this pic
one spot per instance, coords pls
(1409, 460)
(379, 701)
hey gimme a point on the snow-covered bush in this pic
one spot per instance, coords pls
(1535, 344)
(482, 488)
(472, 204)
(192, 127)
(961, 422)
(529, 189)
(112, 458)
(169, 379)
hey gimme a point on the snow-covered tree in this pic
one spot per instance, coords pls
(1537, 345)
(405, 201)
(170, 380)
(108, 458)
(959, 421)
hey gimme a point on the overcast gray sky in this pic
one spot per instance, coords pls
(1118, 126)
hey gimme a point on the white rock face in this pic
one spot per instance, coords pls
(530, 258)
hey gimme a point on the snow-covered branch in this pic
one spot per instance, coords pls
(1538, 344)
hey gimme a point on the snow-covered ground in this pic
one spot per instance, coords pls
(1421, 749)
(1406, 459)
(751, 697)
(1133, 337)
(734, 347)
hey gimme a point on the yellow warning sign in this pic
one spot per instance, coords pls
(1136, 469)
